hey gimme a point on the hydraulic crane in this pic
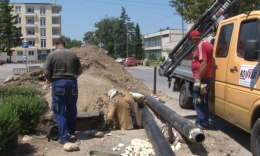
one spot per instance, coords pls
(206, 24)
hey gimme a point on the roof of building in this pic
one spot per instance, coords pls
(54, 4)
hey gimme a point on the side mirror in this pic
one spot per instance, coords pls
(252, 52)
(161, 66)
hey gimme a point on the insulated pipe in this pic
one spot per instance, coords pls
(160, 145)
(181, 124)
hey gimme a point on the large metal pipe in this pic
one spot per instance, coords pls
(181, 124)
(160, 145)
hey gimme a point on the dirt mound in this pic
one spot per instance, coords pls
(101, 73)
(96, 63)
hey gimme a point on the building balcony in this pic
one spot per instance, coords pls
(32, 47)
(55, 36)
(29, 36)
(30, 25)
(56, 25)
(30, 14)
(55, 14)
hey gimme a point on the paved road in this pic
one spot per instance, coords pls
(146, 75)
(6, 70)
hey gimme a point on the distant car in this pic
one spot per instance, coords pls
(163, 66)
(2, 62)
(130, 61)
(120, 60)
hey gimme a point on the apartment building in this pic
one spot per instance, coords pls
(41, 25)
(160, 43)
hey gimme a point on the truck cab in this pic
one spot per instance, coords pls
(235, 93)
(236, 86)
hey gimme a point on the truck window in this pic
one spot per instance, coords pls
(248, 30)
(224, 40)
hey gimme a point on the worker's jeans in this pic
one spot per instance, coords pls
(201, 104)
(64, 100)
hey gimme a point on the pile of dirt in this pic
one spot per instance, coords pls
(101, 73)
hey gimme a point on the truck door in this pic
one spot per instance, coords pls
(241, 87)
(220, 62)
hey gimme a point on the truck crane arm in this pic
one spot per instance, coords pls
(206, 25)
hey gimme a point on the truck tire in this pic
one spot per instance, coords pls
(255, 139)
(185, 101)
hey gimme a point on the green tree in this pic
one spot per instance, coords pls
(10, 34)
(104, 33)
(192, 10)
(124, 32)
(137, 43)
(71, 43)
(89, 38)
(117, 35)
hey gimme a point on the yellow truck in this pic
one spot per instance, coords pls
(235, 90)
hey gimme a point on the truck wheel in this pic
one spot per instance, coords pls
(255, 139)
(185, 102)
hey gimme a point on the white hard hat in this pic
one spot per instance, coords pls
(112, 93)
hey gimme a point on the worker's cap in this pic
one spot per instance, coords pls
(112, 93)
(194, 33)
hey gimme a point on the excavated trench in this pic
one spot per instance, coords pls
(89, 121)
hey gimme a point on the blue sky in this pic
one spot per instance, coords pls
(79, 16)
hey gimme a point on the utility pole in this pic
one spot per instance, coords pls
(126, 41)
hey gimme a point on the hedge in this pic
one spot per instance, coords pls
(19, 90)
(9, 129)
(29, 110)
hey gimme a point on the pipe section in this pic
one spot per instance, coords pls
(181, 124)
(160, 145)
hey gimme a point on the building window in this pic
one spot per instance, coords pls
(31, 53)
(19, 53)
(30, 32)
(43, 32)
(43, 43)
(30, 10)
(153, 41)
(42, 10)
(20, 31)
(55, 11)
(42, 21)
(31, 43)
(19, 20)
(153, 54)
(30, 21)
(17, 9)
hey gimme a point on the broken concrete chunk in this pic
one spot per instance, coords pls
(120, 145)
(69, 147)
(115, 149)
(27, 138)
(108, 134)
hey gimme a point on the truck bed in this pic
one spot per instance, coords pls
(183, 71)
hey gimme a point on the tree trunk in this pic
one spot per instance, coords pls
(10, 58)
(9, 53)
